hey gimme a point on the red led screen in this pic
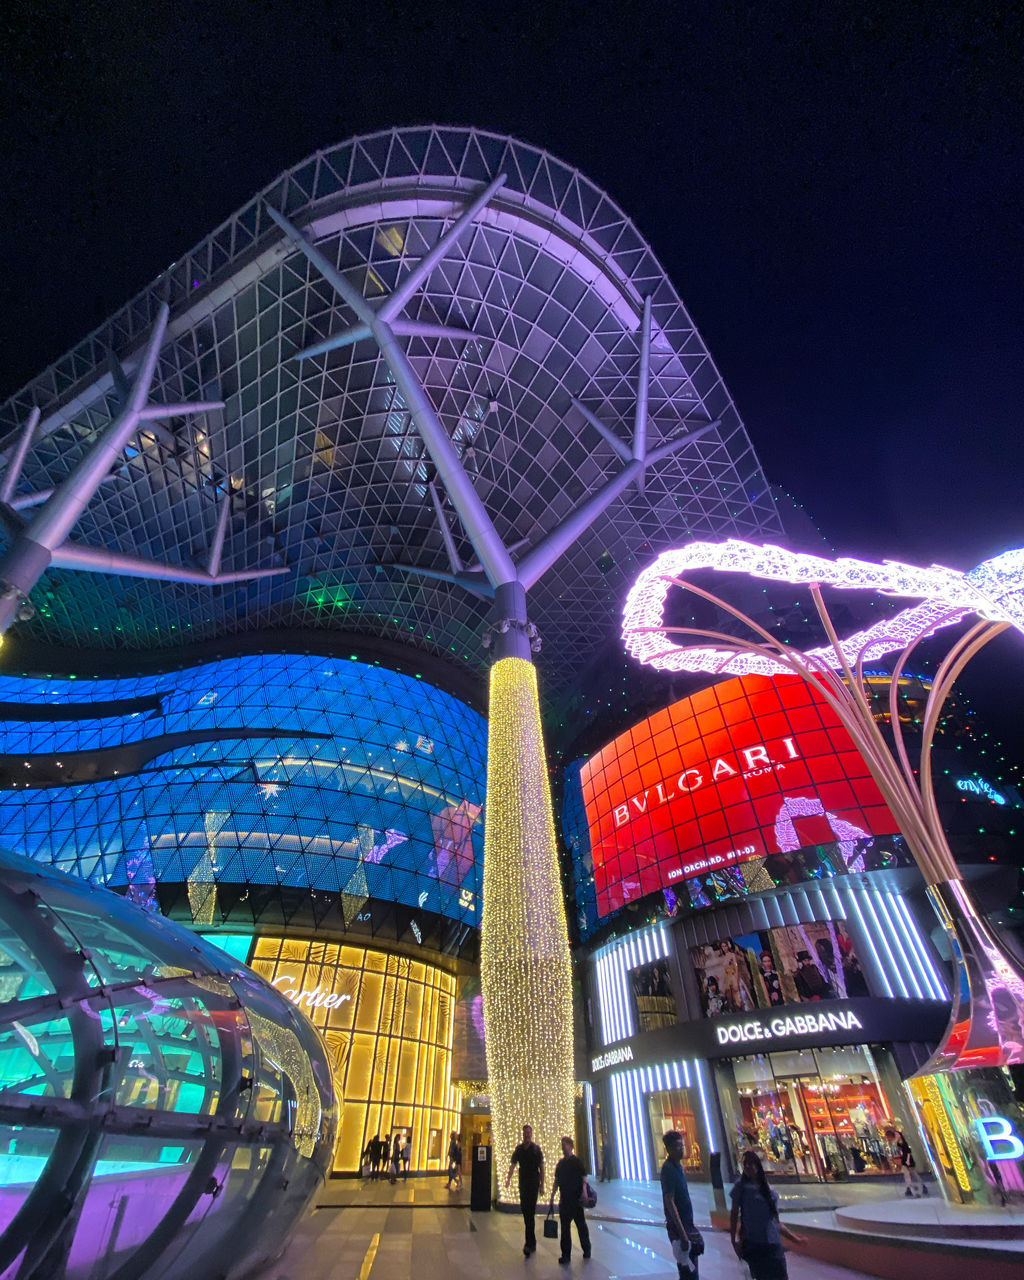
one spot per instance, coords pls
(747, 768)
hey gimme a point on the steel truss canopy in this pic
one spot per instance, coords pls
(525, 307)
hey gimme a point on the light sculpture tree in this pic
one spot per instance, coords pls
(962, 1093)
(526, 973)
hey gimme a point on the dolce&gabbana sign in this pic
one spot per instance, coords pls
(860, 1020)
(753, 1030)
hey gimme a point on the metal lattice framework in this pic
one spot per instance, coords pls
(517, 292)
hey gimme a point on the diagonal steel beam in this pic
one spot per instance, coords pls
(643, 386)
(674, 445)
(17, 460)
(490, 549)
(339, 282)
(71, 555)
(417, 277)
(476, 587)
(446, 533)
(619, 447)
(219, 533)
(643, 381)
(557, 542)
(404, 328)
(59, 516)
(480, 529)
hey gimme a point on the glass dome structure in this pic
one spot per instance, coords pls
(163, 1111)
(523, 334)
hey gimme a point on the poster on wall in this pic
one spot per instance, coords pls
(652, 991)
(469, 1054)
(786, 965)
(730, 784)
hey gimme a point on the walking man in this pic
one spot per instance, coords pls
(530, 1159)
(568, 1181)
(686, 1241)
(454, 1162)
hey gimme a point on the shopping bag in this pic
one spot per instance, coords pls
(589, 1197)
(550, 1228)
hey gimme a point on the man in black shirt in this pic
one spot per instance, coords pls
(530, 1159)
(569, 1175)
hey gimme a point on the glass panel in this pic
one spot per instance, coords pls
(676, 1109)
(389, 1026)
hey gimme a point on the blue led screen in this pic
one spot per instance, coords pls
(286, 770)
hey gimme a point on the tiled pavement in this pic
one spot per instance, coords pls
(376, 1232)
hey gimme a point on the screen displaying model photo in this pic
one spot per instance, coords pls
(787, 965)
(652, 990)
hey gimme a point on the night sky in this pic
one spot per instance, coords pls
(835, 190)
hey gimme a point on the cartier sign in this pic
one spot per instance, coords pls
(317, 998)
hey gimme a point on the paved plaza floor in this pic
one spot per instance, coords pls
(372, 1231)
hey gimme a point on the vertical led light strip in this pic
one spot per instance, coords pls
(895, 969)
(906, 946)
(624, 1137)
(936, 985)
(621, 1149)
(632, 1122)
(640, 1125)
(709, 1133)
(602, 998)
(612, 968)
(868, 939)
(588, 1102)
(525, 967)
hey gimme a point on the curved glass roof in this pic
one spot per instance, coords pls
(324, 469)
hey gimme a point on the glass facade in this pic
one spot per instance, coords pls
(280, 770)
(819, 1114)
(162, 1109)
(389, 1024)
(973, 1122)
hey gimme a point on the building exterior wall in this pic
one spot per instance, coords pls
(388, 1022)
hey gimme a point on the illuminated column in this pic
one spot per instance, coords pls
(527, 978)
(524, 947)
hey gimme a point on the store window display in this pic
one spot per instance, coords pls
(675, 1109)
(818, 1114)
(652, 990)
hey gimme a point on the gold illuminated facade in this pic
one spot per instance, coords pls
(388, 1021)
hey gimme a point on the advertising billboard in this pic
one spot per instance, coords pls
(750, 769)
(785, 965)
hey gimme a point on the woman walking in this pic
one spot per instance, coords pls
(905, 1163)
(754, 1225)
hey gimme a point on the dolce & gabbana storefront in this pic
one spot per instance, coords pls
(748, 1050)
(762, 970)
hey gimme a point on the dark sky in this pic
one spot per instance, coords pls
(834, 188)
